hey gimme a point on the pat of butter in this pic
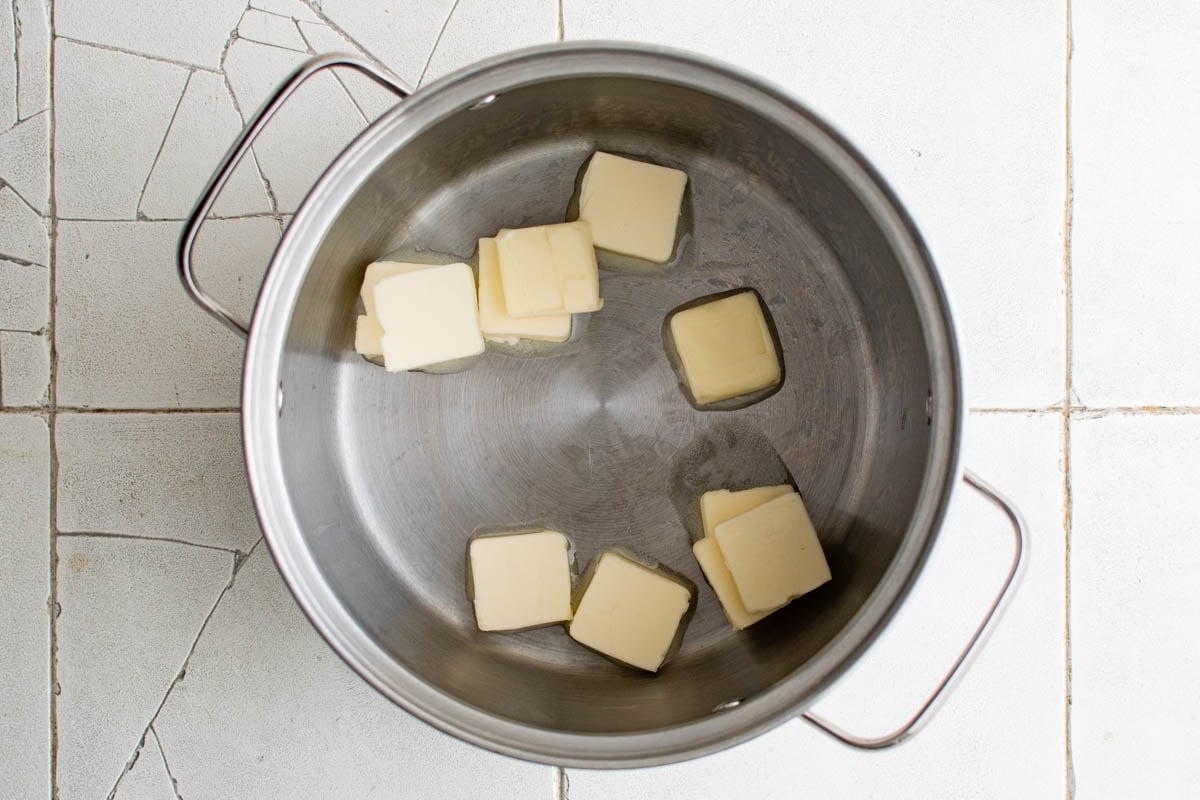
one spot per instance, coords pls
(368, 331)
(494, 319)
(773, 553)
(708, 553)
(633, 206)
(725, 348)
(721, 505)
(630, 612)
(549, 269)
(428, 316)
(520, 580)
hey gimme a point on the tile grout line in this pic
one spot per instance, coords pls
(562, 28)
(238, 562)
(54, 609)
(562, 784)
(1068, 390)
(436, 42)
(272, 203)
(134, 537)
(315, 8)
(160, 59)
(312, 51)
(16, 57)
(178, 410)
(162, 754)
(162, 145)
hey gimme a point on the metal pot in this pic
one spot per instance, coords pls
(368, 484)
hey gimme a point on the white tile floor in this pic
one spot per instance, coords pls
(147, 644)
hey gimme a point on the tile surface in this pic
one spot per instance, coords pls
(194, 33)
(148, 778)
(128, 336)
(1135, 615)
(108, 132)
(962, 108)
(24, 621)
(1136, 270)
(23, 234)
(202, 129)
(280, 715)
(24, 296)
(24, 368)
(155, 475)
(130, 612)
(974, 738)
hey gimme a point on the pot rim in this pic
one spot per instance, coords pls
(265, 347)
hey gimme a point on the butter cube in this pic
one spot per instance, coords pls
(721, 505)
(708, 553)
(725, 348)
(633, 206)
(494, 319)
(773, 553)
(549, 270)
(630, 612)
(368, 331)
(428, 316)
(520, 580)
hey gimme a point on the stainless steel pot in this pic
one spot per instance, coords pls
(368, 484)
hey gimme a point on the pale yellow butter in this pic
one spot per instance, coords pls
(773, 553)
(549, 270)
(630, 612)
(368, 331)
(495, 321)
(708, 553)
(633, 206)
(725, 348)
(520, 580)
(428, 316)
(722, 504)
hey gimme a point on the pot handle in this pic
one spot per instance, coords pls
(925, 712)
(234, 157)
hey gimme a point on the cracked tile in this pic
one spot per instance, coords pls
(311, 129)
(270, 29)
(1135, 613)
(24, 368)
(203, 129)
(8, 72)
(295, 9)
(371, 98)
(25, 160)
(402, 38)
(269, 710)
(128, 336)
(33, 55)
(130, 613)
(24, 621)
(479, 28)
(23, 234)
(1135, 276)
(937, 120)
(194, 33)
(147, 779)
(175, 476)
(24, 296)
(112, 111)
(1009, 704)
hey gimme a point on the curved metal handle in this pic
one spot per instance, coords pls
(234, 157)
(917, 720)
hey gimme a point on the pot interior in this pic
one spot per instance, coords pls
(389, 475)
